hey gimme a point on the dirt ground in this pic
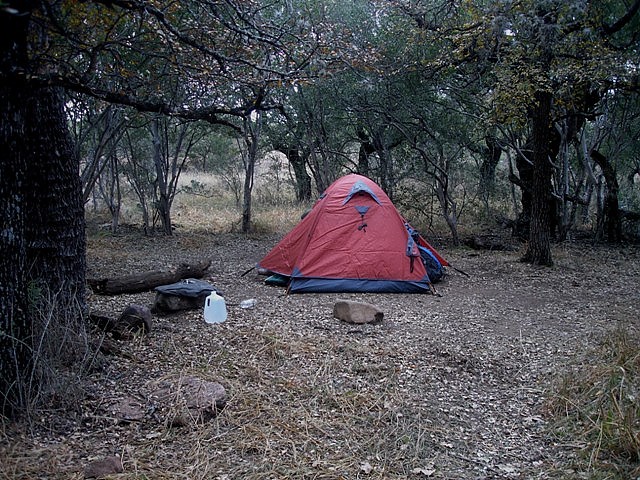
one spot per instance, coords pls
(446, 387)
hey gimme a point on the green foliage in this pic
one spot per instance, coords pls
(196, 187)
(417, 77)
(216, 150)
(34, 294)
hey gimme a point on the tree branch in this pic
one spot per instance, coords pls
(624, 20)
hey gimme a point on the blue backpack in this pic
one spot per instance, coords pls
(431, 264)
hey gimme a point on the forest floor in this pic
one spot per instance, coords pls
(454, 386)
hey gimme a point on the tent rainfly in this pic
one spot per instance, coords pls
(354, 240)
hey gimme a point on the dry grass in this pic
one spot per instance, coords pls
(211, 207)
(290, 425)
(449, 387)
(61, 354)
(597, 405)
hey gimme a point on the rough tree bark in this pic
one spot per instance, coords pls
(55, 211)
(611, 218)
(299, 164)
(539, 247)
(251, 132)
(13, 283)
(364, 152)
(42, 239)
(303, 179)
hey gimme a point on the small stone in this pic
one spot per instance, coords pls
(104, 467)
(189, 400)
(357, 312)
(128, 410)
(134, 320)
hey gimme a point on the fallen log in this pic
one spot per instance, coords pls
(145, 281)
(489, 242)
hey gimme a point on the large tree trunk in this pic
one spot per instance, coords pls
(13, 283)
(13, 242)
(55, 212)
(303, 179)
(539, 248)
(42, 239)
(611, 218)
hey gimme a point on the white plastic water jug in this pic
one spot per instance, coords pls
(215, 310)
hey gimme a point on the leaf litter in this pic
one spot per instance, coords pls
(449, 387)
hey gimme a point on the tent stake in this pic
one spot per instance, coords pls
(247, 271)
(460, 271)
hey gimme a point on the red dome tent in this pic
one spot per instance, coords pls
(353, 240)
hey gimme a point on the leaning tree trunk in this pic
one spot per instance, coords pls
(299, 164)
(251, 138)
